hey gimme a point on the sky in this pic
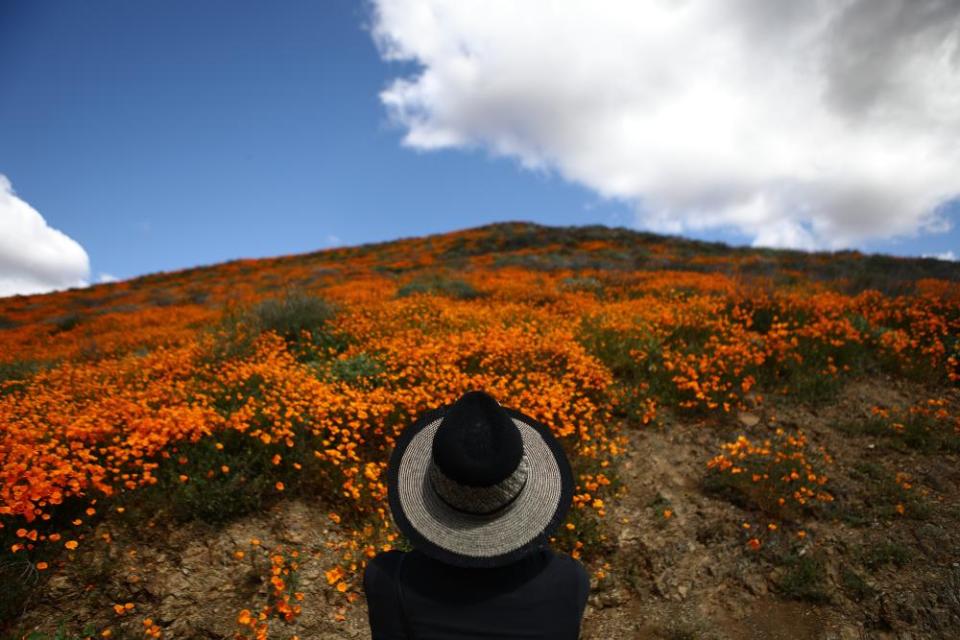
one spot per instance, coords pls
(138, 137)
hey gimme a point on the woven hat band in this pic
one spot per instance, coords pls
(479, 500)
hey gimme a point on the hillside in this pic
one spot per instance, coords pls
(766, 442)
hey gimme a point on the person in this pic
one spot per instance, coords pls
(477, 488)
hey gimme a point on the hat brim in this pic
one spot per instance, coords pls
(470, 540)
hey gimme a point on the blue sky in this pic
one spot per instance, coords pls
(163, 135)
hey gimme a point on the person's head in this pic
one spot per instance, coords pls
(477, 484)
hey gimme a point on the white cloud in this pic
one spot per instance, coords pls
(949, 256)
(34, 257)
(811, 124)
(107, 277)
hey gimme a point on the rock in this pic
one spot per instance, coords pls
(755, 584)
(683, 590)
(748, 419)
(627, 534)
(849, 632)
(607, 599)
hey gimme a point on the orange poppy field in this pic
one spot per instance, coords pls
(761, 439)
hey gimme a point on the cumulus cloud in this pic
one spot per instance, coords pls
(807, 124)
(34, 257)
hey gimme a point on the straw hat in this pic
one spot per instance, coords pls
(477, 484)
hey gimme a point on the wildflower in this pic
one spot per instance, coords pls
(334, 575)
(71, 544)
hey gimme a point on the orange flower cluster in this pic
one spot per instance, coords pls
(283, 600)
(776, 476)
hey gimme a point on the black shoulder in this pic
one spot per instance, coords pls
(381, 569)
(575, 569)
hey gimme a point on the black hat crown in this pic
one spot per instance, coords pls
(478, 462)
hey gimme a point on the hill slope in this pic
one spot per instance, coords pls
(757, 434)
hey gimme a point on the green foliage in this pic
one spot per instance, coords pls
(16, 375)
(65, 322)
(303, 320)
(587, 284)
(883, 553)
(361, 369)
(805, 578)
(18, 577)
(917, 432)
(875, 496)
(8, 323)
(781, 478)
(855, 585)
(293, 314)
(572, 260)
(636, 380)
(435, 284)
(62, 633)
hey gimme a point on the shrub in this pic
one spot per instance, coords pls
(15, 375)
(302, 320)
(439, 285)
(292, 314)
(8, 323)
(359, 369)
(782, 477)
(884, 553)
(805, 578)
(879, 495)
(65, 322)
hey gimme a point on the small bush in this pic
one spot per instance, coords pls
(8, 323)
(782, 477)
(586, 283)
(638, 381)
(926, 426)
(292, 314)
(439, 285)
(883, 553)
(360, 369)
(301, 319)
(855, 585)
(65, 322)
(805, 579)
(878, 495)
(16, 375)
